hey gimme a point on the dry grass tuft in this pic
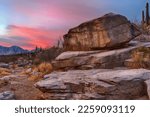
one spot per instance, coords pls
(4, 72)
(35, 77)
(137, 56)
(141, 57)
(41, 70)
(44, 68)
(3, 83)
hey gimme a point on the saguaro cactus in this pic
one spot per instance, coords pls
(143, 17)
(147, 13)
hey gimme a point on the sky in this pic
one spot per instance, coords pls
(31, 23)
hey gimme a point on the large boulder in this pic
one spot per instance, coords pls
(110, 31)
(94, 59)
(96, 84)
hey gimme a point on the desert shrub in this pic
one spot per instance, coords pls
(47, 55)
(44, 68)
(4, 72)
(138, 56)
(41, 70)
(12, 58)
(146, 50)
(35, 77)
(141, 57)
(3, 83)
(8, 58)
(141, 54)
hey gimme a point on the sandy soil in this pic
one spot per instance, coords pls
(22, 87)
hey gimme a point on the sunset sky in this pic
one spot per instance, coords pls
(30, 23)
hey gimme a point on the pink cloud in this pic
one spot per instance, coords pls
(29, 38)
(42, 22)
(4, 44)
(55, 14)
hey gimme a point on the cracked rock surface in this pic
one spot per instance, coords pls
(96, 84)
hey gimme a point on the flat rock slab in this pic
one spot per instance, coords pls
(94, 59)
(7, 95)
(96, 84)
(4, 65)
(9, 77)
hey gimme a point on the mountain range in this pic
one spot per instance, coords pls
(12, 50)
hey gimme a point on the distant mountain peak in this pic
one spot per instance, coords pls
(12, 50)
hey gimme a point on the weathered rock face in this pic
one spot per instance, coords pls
(94, 59)
(109, 31)
(96, 84)
(148, 88)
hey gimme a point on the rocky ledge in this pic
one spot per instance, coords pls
(95, 59)
(97, 84)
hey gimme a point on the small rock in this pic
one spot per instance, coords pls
(7, 78)
(35, 73)
(7, 95)
(29, 70)
(4, 65)
(46, 76)
(11, 63)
